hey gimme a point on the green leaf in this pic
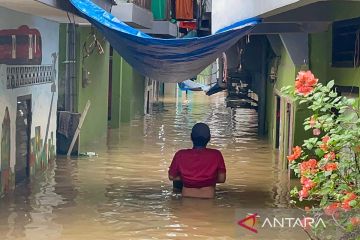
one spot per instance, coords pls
(350, 101)
(330, 84)
(343, 187)
(307, 127)
(333, 94)
(353, 203)
(320, 153)
(328, 173)
(348, 117)
(333, 176)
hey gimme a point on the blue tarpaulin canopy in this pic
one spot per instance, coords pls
(167, 60)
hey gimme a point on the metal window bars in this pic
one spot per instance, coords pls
(27, 75)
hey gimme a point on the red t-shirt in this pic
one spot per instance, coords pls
(197, 167)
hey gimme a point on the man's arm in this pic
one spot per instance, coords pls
(172, 178)
(221, 178)
(174, 173)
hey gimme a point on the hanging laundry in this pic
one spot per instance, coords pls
(158, 8)
(184, 9)
(188, 25)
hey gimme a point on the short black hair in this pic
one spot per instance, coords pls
(200, 134)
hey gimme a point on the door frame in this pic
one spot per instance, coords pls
(29, 125)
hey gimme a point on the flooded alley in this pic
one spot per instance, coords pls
(97, 96)
(124, 193)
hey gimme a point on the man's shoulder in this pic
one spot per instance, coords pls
(212, 150)
(182, 151)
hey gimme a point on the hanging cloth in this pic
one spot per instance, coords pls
(166, 60)
(188, 25)
(184, 9)
(158, 8)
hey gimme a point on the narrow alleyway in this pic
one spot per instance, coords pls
(124, 193)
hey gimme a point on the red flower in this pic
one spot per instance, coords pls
(303, 180)
(332, 209)
(330, 167)
(347, 199)
(324, 147)
(312, 121)
(326, 139)
(346, 206)
(330, 156)
(316, 132)
(308, 166)
(355, 221)
(305, 82)
(296, 154)
(350, 196)
(309, 184)
(304, 193)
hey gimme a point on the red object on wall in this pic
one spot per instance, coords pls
(20, 46)
(188, 25)
(184, 9)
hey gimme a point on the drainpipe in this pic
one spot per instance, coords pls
(70, 68)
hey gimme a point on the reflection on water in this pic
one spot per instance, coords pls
(125, 194)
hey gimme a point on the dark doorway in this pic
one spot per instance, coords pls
(23, 133)
(148, 103)
(278, 111)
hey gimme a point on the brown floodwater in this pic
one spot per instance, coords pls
(124, 193)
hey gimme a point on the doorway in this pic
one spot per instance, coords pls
(289, 120)
(149, 95)
(23, 133)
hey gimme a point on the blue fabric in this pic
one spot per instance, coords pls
(193, 86)
(167, 60)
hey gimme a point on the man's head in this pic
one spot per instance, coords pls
(200, 135)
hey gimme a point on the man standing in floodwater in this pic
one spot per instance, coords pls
(198, 169)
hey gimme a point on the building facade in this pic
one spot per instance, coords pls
(29, 46)
(321, 36)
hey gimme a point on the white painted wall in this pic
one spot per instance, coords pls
(227, 12)
(41, 94)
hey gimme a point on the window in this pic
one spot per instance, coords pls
(346, 43)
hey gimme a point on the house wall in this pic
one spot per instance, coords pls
(321, 54)
(128, 88)
(94, 129)
(320, 63)
(291, 114)
(41, 101)
(227, 12)
(285, 77)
